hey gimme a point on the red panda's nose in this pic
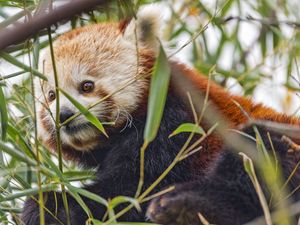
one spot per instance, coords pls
(65, 114)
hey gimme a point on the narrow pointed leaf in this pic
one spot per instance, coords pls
(21, 65)
(10, 20)
(88, 115)
(15, 135)
(28, 192)
(157, 95)
(123, 199)
(17, 154)
(88, 194)
(3, 114)
(77, 197)
(188, 127)
(249, 168)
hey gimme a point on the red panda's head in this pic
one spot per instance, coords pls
(111, 60)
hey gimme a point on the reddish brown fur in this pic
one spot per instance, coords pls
(103, 28)
(233, 112)
(46, 124)
(226, 102)
(123, 24)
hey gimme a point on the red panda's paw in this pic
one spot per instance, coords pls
(172, 209)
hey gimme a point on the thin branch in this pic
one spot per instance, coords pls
(294, 148)
(22, 31)
(267, 22)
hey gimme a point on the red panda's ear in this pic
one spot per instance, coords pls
(146, 27)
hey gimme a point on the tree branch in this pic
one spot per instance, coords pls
(41, 20)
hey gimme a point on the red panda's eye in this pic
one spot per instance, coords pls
(51, 96)
(87, 86)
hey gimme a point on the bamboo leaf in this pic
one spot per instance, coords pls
(12, 75)
(79, 175)
(249, 167)
(3, 114)
(227, 6)
(10, 209)
(88, 194)
(123, 199)
(28, 192)
(157, 95)
(10, 20)
(53, 167)
(74, 192)
(188, 127)
(15, 135)
(88, 115)
(17, 154)
(19, 64)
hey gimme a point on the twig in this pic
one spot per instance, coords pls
(22, 31)
(268, 22)
(203, 219)
(293, 147)
(57, 128)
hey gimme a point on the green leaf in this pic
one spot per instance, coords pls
(261, 146)
(17, 63)
(79, 175)
(188, 127)
(28, 192)
(88, 194)
(74, 192)
(12, 75)
(17, 154)
(10, 20)
(15, 135)
(3, 114)
(227, 6)
(88, 115)
(123, 199)
(10, 209)
(53, 166)
(249, 168)
(157, 95)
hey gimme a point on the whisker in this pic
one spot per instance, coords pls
(129, 122)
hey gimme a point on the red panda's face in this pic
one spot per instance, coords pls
(92, 63)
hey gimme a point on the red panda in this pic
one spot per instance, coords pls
(114, 61)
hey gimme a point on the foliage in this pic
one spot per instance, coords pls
(244, 41)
